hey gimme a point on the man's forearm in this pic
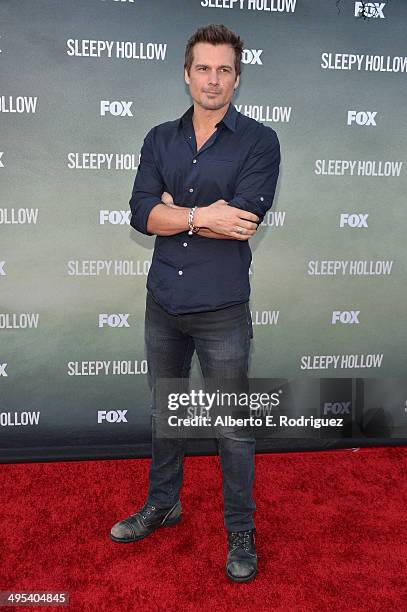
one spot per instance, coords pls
(170, 219)
(204, 231)
(165, 220)
(218, 220)
(207, 233)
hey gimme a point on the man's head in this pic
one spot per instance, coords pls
(212, 65)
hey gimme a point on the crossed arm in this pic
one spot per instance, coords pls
(218, 220)
(154, 212)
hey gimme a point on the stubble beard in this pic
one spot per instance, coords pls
(211, 104)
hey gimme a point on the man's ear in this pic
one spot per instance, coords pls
(186, 77)
(237, 81)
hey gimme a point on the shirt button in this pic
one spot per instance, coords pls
(194, 161)
(185, 244)
(261, 199)
(180, 272)
(191, 190)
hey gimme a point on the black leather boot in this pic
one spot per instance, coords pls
(149, 518)
(241, 564)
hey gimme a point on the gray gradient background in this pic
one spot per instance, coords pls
(34, 62)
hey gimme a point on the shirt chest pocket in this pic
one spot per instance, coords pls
(220, 175)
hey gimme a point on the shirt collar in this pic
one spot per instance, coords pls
(229, 119)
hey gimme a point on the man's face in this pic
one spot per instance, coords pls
(212, 77)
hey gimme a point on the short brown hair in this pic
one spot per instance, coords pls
(215, 34)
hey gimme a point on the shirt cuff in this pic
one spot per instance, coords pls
(256, 205)
(142, 209)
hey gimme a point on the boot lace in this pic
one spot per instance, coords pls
(145, 511)
(240, 539)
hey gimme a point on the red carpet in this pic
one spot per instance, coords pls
(331, 535)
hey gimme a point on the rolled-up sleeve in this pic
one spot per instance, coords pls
(147, 189)
(257, 179)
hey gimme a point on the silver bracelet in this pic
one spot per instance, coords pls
(193, 229)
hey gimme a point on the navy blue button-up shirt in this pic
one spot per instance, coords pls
(238, 163)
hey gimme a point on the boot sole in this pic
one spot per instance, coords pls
(129, 540)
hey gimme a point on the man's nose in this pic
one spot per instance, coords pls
(213, 77)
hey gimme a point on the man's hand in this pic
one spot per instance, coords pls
(166, 198)
(221, 218)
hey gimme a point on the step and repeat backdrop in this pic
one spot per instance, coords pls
(81, 83)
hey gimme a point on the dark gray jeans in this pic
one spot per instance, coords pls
(221, 339)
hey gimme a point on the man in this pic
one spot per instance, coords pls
(204, 183)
